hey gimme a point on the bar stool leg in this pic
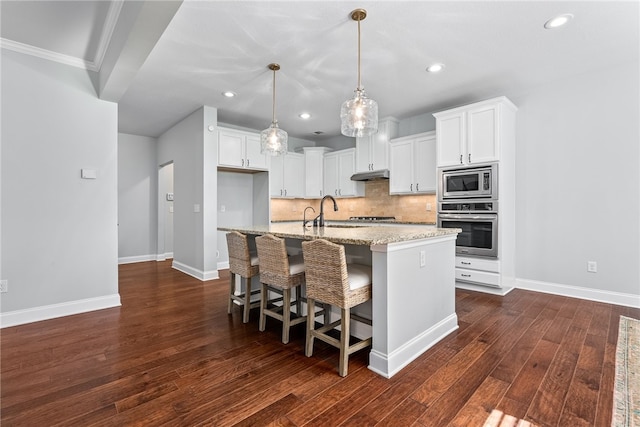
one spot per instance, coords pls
(263, 306)
(286, 315)
(232, 289)
(311, 304)
(344, 341)
(247, 301)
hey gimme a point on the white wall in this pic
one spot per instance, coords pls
(59, 232)
(137, 198)
(193, 150)
(578, 184)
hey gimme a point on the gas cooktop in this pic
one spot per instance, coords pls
(372, 218)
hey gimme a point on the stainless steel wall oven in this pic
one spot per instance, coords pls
(476, 216)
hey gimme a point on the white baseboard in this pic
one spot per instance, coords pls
(388, 365)
(193, 272)
(139, 258)
(223, 265)
(617, 298)
(36, 314)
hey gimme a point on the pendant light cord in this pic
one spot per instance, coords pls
(359, 83)
(273, 107)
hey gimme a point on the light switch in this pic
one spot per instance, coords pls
(171, 209)
(88, 174)
(196, 208)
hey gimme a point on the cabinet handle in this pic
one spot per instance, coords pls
(339, 192)
(336, 191)
(460, 158)
(465, 263)
(417, 184)
(411, 187)
(465, 275)
(320, 193)
(281, 191)
(285, 191)
(371, 167)
(247, 162)
(242, 162)
(469, 157)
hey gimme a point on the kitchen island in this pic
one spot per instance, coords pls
(413, 295)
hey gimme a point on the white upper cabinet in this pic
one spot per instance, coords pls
(241, 150)
(286, 175)
(412, 164)
(314, 171)
(471, 134)
(338, 168)
(372, 152)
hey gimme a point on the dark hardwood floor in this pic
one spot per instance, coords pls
(172, 356)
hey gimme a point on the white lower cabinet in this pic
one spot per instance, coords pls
(478, 270)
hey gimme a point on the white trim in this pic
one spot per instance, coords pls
(610, 297)
(47, 54)
(223, 265)
(138, 258)
(46, 312)
(398, 246)
(193, 272)
(388, 365)
(107, 32)
(502, 291)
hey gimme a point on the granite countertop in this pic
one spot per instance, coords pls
(361, 221)
(346, 234)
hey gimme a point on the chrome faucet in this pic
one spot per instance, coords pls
(319, 220)
(304, 215)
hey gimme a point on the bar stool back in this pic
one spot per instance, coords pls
(279, 273)
(330, 280)
(244, 264)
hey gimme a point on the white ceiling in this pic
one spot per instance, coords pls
(489, 48)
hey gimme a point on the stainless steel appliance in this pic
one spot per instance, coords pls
(468, 182)
(479, 234)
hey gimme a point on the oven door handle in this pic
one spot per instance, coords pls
(469, 216)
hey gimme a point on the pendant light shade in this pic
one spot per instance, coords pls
(359, 115)
(273, 140)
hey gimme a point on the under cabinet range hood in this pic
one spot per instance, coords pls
(370, 175)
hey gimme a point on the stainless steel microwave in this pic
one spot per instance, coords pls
(468, 182)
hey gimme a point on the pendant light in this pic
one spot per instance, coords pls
(359, 115)
(273, 140)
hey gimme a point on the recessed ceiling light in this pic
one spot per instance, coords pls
(228, 94)
(435, 68)
(558, 21)
(304, 115)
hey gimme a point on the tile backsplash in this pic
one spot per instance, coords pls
(377, 202)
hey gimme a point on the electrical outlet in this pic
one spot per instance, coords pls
(423, 258)
(4, 286)
(223, 208)
(592, 266)
(429, 207)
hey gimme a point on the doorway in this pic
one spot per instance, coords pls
(165, 212)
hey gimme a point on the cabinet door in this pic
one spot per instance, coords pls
(425, 165)
(331, 174)
(363, 153)
(254, 159)
(450, 134)
(482, 134)
(346, 168)
(276, 176)
(293, 175)
(401, 167)
(231, 149)
(314, 172)
(379, 147)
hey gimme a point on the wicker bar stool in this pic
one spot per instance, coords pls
(244, 264)
(279, 273)
(330, 280)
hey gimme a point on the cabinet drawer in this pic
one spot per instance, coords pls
(481, 277)
(478, 264)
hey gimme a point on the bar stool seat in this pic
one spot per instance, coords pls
(245, 264)
(280, 273)
(330, 280)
